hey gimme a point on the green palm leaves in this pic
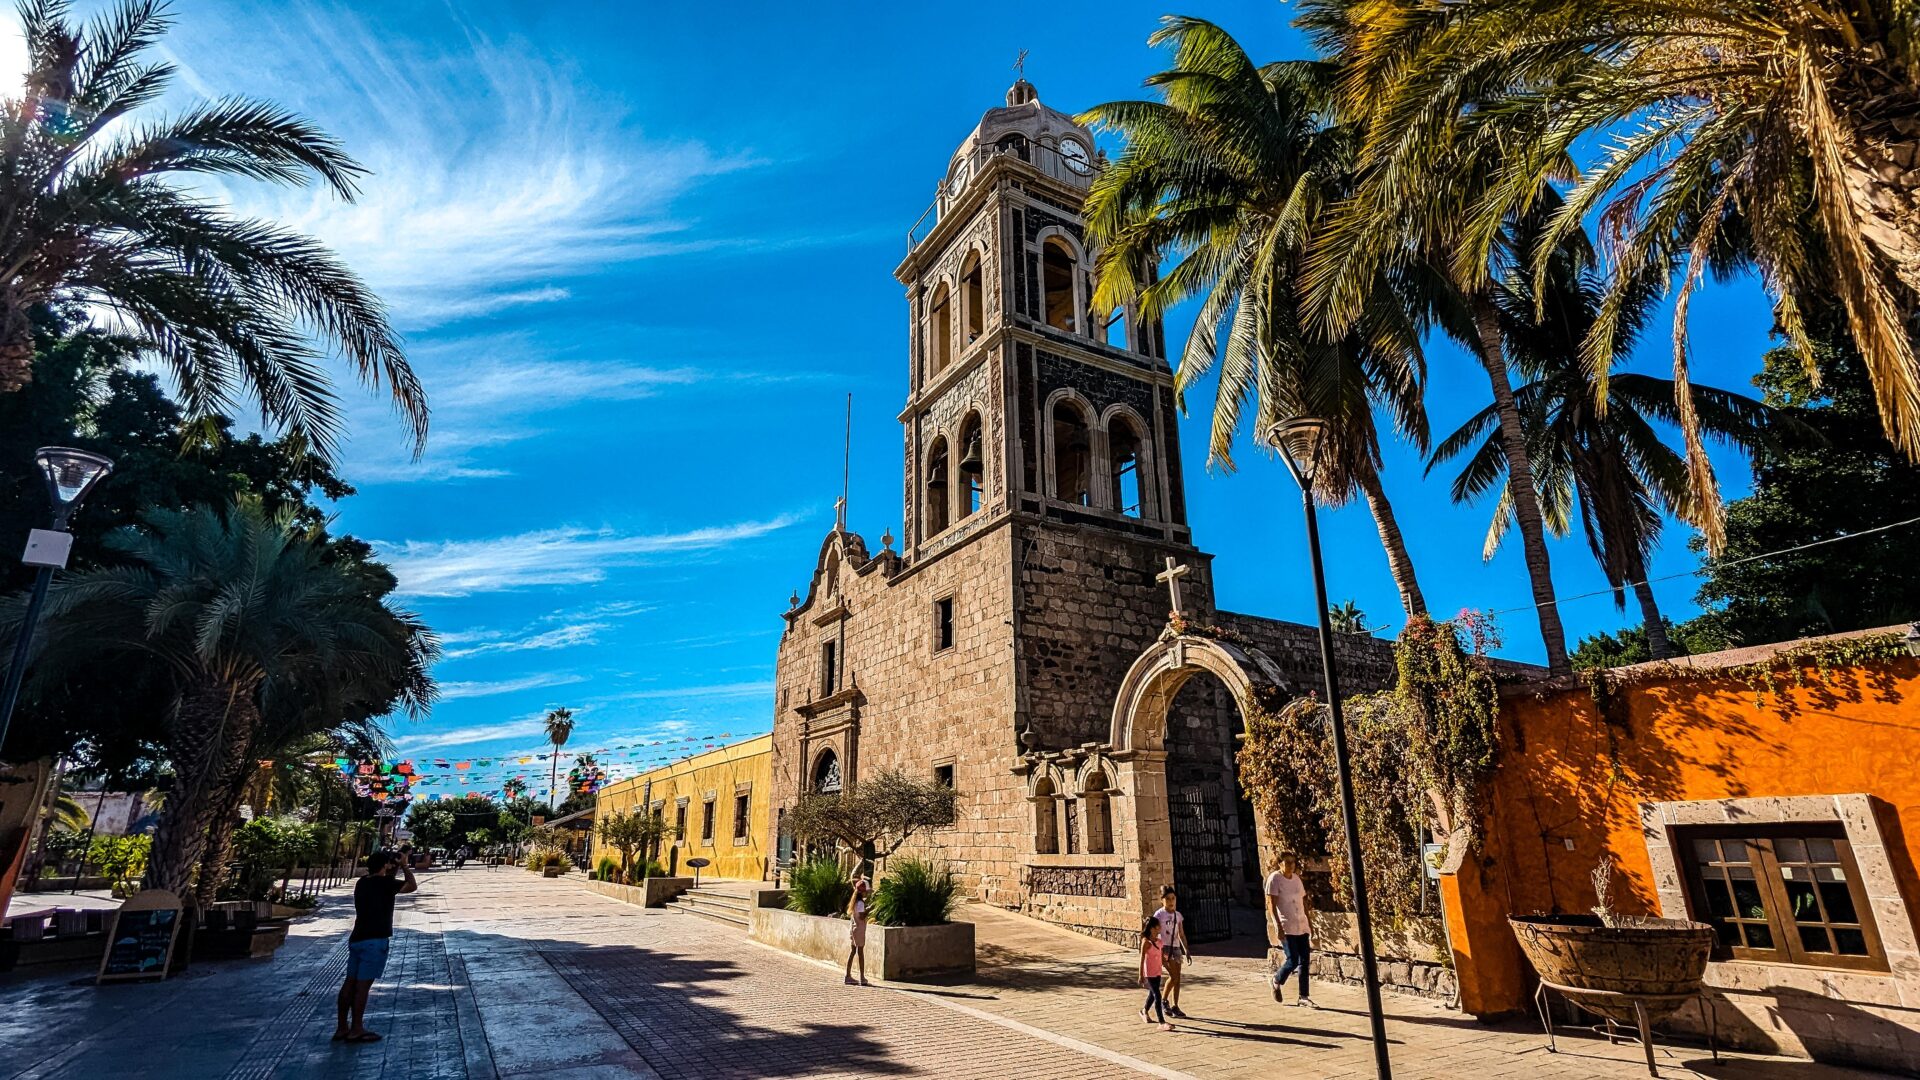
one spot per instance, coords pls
(93, 215)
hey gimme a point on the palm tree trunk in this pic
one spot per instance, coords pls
(1526, 497)
(201, 728)
(1656, 627)
(1398, 561)
(553, 779)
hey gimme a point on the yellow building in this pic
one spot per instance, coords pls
(717, 802)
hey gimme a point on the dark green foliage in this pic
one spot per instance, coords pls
(1837, 475)
(914, 893)
(606, 868)
(1627, 646)
(819, 887)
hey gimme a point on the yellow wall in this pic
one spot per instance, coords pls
(721, 775)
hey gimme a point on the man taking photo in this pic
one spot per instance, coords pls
(367, 945)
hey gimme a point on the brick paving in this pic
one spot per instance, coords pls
(504, 975)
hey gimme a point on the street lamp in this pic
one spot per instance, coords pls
(1912, 639)
(1301, 442)
(70, 475)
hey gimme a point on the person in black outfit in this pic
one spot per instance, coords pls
(367, 945)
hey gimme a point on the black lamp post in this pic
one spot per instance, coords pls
(1301, 444)
(70, 475)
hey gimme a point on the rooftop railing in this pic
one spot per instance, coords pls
(1049, 160)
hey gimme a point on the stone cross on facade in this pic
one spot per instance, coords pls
(1172, 575)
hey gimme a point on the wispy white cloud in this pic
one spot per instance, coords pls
(560, 637)
(527, 385)
(479, 733)
(450, 691)
(565, 556)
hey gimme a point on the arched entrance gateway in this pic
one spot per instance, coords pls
(1187, 825)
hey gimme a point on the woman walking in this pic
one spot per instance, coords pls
(1287, 900)
(1151, 968)
(857, 935)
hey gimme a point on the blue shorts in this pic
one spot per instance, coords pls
(367, 959)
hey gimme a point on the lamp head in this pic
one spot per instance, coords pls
(1912, 639)
(70, 474)
(1300, 441)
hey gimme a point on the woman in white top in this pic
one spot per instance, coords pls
(857, 935)
(1287, 900)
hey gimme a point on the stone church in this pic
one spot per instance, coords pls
(1016, 644)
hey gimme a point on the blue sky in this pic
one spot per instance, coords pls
(641, 256)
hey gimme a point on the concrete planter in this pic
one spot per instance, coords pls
(653, 892)
(893, 952)
(553, 871)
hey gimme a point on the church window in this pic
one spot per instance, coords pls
(1072, 455)
(826, 773)
(1098, 815)
(937, 505)
(973, 466)
(829, 667)
(939, 331)
(973, 303)
(1056, 274)
(943, 624)
(1116, 329)
(1046, 827)
(1124, 443)
(943, 775)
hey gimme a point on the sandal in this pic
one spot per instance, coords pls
(365, 1037)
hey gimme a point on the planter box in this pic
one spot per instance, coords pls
(553, 871)
(653, 892)
(893, 952)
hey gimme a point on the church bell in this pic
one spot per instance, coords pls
(971, 463)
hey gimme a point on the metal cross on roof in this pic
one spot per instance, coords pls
(1020, 64)
(1172, 575)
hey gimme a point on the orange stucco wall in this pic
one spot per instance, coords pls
(1571, 781)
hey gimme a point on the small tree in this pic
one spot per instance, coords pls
(877, 817)
(628, 833)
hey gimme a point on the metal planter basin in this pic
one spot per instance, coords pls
(1661, 961)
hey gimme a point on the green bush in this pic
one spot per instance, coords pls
(121, 859)
(914, 893)
(642, 869)
(819, 886)
(607, 868)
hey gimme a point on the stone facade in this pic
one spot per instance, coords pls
(1043, 498)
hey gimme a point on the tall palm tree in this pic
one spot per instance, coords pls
(1779, 136)
(255, 621)
(1604, 457)
(559, 729)
(1227, 173)
(95, 215)
(1395, 222)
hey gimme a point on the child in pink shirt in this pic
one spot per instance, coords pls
(1152, 967)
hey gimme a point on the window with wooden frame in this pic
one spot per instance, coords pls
(1787, 894)
(706, 822)
(741, 801)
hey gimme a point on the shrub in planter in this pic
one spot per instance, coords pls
(643, 869)
(819, 887)
(915, 892)
(606, 868)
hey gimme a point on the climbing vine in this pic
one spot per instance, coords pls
(1420, 755)
(1821, 661)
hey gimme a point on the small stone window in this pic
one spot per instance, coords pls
(1072, 455)
(943, 775)
(1125, 445)
(939, 331)
(741, 802)
(829, 667)
(938, 507)
(1046, 825)
(680, 820)
(943, 624)
(1098, 814)
(1056, 273)
(1786, 894)
(973, 302)
(706, 822)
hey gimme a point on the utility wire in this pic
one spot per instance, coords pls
(1731, 562)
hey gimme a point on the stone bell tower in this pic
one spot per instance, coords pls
(1027, 403)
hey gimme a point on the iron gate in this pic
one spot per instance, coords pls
(1202, 862)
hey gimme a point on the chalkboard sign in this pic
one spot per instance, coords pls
(142, 939)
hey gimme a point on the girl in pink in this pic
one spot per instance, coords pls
(1152, 966)
(857, 909)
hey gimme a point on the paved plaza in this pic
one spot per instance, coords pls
(497, 973)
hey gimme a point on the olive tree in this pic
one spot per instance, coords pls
(876, 817)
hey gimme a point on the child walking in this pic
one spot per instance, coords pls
(1151, 969)
(857, 934)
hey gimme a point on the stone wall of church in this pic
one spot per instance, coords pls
(1366, 663)
(917, 708)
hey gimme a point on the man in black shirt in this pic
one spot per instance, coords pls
(367, 944)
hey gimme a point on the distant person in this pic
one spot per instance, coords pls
(460, 857)
(367, 943)
(1287, 901)
(1174, 950)
(857, 912)
(1152, 967)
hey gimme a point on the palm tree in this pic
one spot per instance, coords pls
(1779, 136)
(256, 623)
(94, 217)
(559, 729)
(1604, 457)
(1228, 173)
(1347, 618)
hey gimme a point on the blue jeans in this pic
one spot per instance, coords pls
(1153, 1000)
(1298, 951)
(367, 958)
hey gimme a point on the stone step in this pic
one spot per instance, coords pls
(744, 903)
(707, 908)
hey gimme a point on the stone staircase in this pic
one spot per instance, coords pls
(727, 902)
